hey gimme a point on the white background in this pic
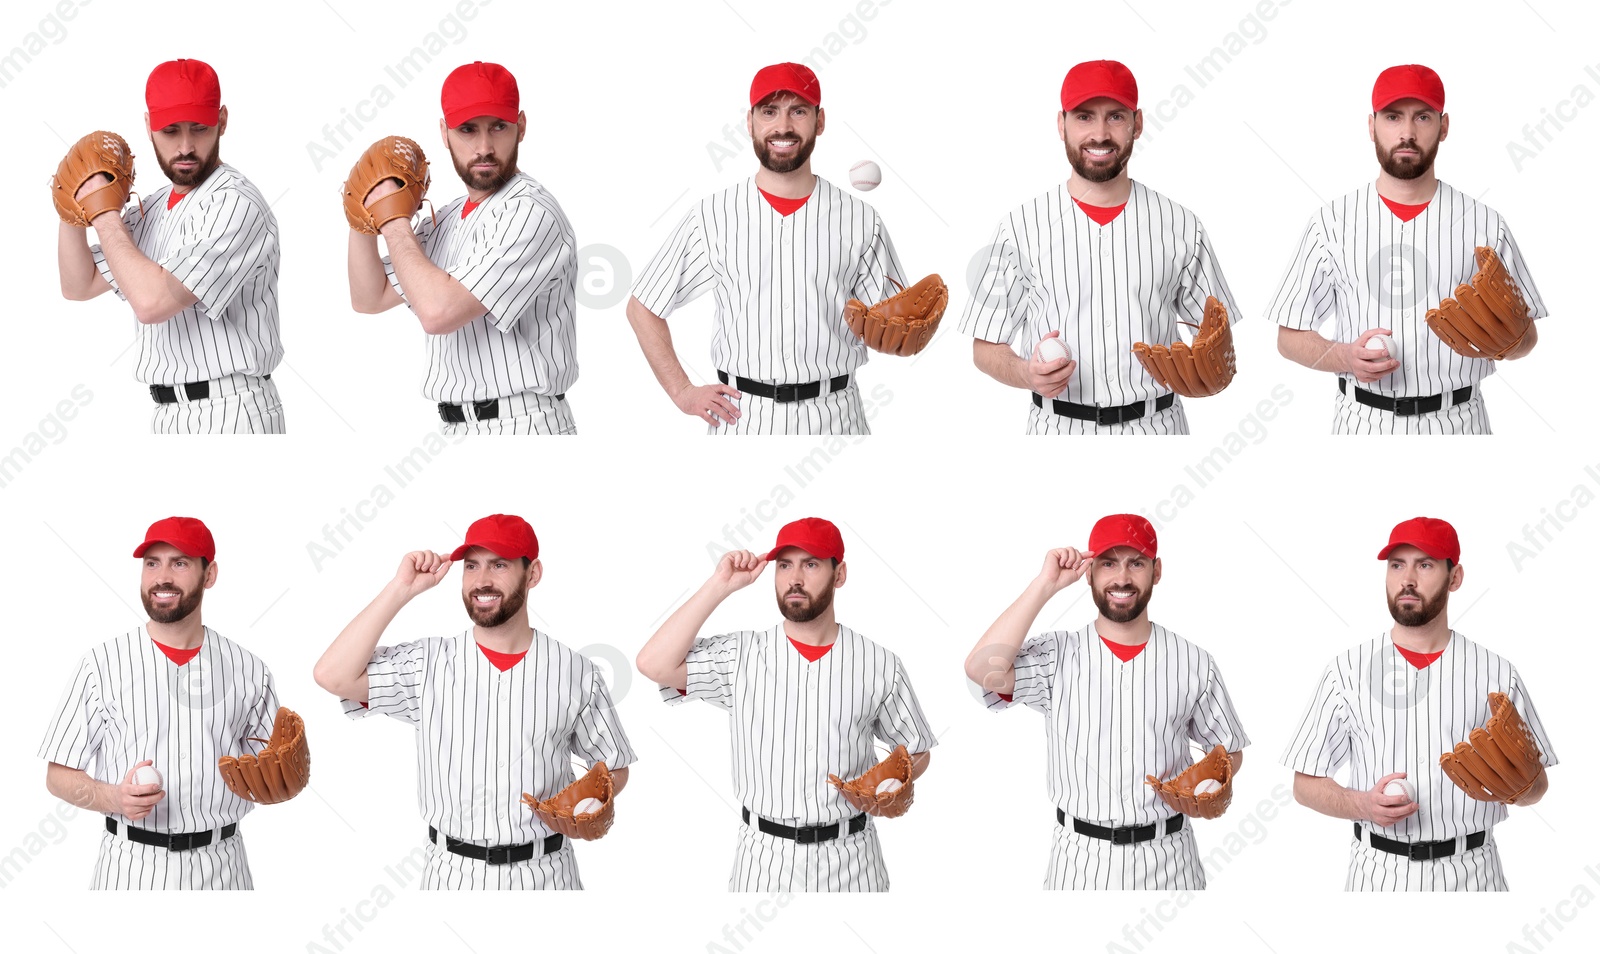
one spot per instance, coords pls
(946, 510)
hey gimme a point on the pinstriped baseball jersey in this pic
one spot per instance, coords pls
(221, 242)
(1375, 711)
(1110, 723)
(1360, 265)
(516, 253)
(128, 702)
(484, 737)
(780, 282)
(795, 721)
(1104, 287)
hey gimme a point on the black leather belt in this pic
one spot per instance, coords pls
(497, 854)
(1103, 416)
(1129, 835)
(194, 391)
(1421, 850)
(806, 836)
(172, 841)
(487, 410)
(783, 393)
(1407, 407)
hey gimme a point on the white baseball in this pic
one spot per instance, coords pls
(1053, 349)
(865, 175)
(146, 775)
(888, 785)
(588, 806)
(1383, 343)
(1207, 785)
(1401, 786)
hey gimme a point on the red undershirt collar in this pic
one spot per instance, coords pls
(501, 661)
(466, 210)
(1403, 212)
(784, 206)
(1123, 651)
(178, 656)
(1102, 214)
(1419, 660)
(812, 653)
(174, 197)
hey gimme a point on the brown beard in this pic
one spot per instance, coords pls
(1407, 168)
(802, 155)
(1116, 615)
(1103, 174)
(189, 180)
(487, 181)
(510, 604)
(1419, 615)
(804, 614)
(187, 604)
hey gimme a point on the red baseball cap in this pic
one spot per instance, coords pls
(795, 78)
(183, 91)
(480, 89)
(1123, 530)
(1431, 535)
(1099, 78)
(188, 534)
(502, 534)
(814, 535)
(1411, 81)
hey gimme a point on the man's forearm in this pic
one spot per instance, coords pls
(76, 265)
(75, 787)
(342, 670)
(151, 290)
(655, 340)
(998, 361)
(1327, 796)
(441, 303)
(1309, 348)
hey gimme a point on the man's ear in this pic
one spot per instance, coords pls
(1372, 127)
(1138, 123)
(1444, 126)
(211, 574)
(222, 120)
(839, 575)
(147, 130)
(822, 119)
(1457, 574)
(522, 124)
(535, 573)
(1156, 578)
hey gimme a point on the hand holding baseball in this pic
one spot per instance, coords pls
(1386, 810)
(1063, 567)
(383, 188)
(421, 570)
(1050, 367)
(134, 800)
(1368, 361)
(738, 569)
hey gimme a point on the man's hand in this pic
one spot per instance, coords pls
(133, 800)
(712, 403)
(1049, 378)
(737, 570)
(1063, 567)
(1385, 810)
(420, 571)
(1368, 364)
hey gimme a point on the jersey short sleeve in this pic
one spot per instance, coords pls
(1321, 741)
(1214, 721)
(1202, 278)
(879, 263)
(221, 245)
(1035, 670)
(263, 713)
(994, 312)
(78, 726)
(900, 720)
(526, 253)
(711, 661)
(1306, 296)
(680, 272)
(394, 683)
(598, 735)
(1518, 694)
(1506, 247)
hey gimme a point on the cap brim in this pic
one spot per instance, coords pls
(464, 113)
(204, 115)
(1112, 94)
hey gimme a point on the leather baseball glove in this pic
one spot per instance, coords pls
(393, 157)
(278, 772)
(1500, 761)
(1178, 791)
(903, 323)
(863, 795)
(1194, 370)
(95, 153)
(1487, 318)
(556, 811)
